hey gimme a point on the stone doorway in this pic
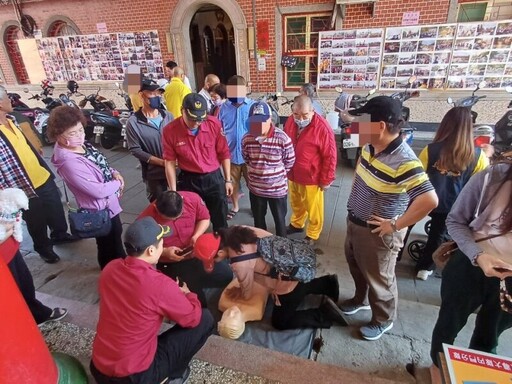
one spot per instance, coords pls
(11, 36)
(197, 44)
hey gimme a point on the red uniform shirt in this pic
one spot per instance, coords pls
(202, 153)
(194, 210)
(134, 299)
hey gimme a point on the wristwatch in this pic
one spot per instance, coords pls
(393, 225)
(228, 181)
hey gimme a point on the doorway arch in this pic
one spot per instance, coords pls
(11, 34)
(180, 34)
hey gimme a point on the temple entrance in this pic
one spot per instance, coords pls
(213, 44)
(11, 35)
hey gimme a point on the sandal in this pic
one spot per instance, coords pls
(231, 215)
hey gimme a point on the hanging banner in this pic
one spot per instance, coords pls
(100, 56)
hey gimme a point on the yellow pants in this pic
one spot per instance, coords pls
(307, 202)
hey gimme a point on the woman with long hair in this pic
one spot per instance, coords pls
(471, 278)
(88, 175)
(218, 96)
(450, 160)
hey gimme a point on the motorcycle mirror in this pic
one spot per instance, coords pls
(338, 89)
(372, 91)
(482, 84)
(25, 90)
(412, 79)
(508, 89)
(449, 100)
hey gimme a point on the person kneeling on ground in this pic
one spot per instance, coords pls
(288, 294)
(134, 299)
(187, 216)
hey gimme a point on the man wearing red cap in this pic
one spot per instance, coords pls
(187, 216)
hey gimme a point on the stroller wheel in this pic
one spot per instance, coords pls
(427, 226)
(415, 249)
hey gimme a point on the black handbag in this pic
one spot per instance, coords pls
(289, 61)
(86, 224)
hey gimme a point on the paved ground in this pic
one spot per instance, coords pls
(344, 357)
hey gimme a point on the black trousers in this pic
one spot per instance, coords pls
(278, 207)
(154, 188)
(110, 247)
(463, 289)
(286, 316)
(436, 237)
(176, 347)
(45, 211)
(212, 189)
(192, 272)
(23, 278)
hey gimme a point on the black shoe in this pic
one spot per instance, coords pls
(64, 238)
(291, 230)
(332, 312)
(333, 287)
(49, 256)
(310, 241)
(181, 380)
(56, 315)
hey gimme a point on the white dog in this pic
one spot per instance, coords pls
(12, 201)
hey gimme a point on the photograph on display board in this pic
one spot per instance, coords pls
(422, 51)
(481, 51)
(100, 56)
(349, 59)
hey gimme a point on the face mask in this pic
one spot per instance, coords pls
(236, 100)
(76, 141)
(194, 131)
(154, 102)
(302, 123)
(218, 102)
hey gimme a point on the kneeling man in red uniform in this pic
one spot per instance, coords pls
(134, 300)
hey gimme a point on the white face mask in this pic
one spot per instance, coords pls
(218, 102)
(302, 123)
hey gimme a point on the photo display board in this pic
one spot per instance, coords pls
(100, 56)
(423, 51)
(482, 51)
(440, 56)
(350, 58)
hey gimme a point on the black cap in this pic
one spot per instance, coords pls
(381, 108)
(149, 85)
(195, 107)
(142, 233)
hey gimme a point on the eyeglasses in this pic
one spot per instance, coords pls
(505, 298)
(164, 231)
(76, 133)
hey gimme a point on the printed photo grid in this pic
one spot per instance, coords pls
(349, 59)
(100, 56)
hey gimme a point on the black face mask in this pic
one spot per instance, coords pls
(154, 102)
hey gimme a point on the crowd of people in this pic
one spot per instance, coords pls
(193, 154)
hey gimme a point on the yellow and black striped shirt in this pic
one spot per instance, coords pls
(386, 183)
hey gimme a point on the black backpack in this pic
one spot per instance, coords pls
(290, 259)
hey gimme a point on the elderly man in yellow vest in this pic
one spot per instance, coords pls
(175, 91)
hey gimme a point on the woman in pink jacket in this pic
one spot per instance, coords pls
(88, 175)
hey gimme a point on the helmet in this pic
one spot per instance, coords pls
(72, 86)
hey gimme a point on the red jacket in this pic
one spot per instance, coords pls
(315, 152)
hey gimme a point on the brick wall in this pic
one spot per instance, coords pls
(124, 16)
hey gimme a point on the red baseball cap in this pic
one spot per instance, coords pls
(207, 246)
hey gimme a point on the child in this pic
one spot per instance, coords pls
(134, 299)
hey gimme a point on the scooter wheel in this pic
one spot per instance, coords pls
(107, 143)
(427, 226)
(415, 249)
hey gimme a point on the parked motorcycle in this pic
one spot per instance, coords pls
(126, 97)
(407, 131)
(503, 132)
(274, 101)
(342, 104)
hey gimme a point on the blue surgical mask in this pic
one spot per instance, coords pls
(302, 123)
(236, 100)
(154, 102)
(194, 131)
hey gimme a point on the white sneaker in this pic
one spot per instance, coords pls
(424, 274)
